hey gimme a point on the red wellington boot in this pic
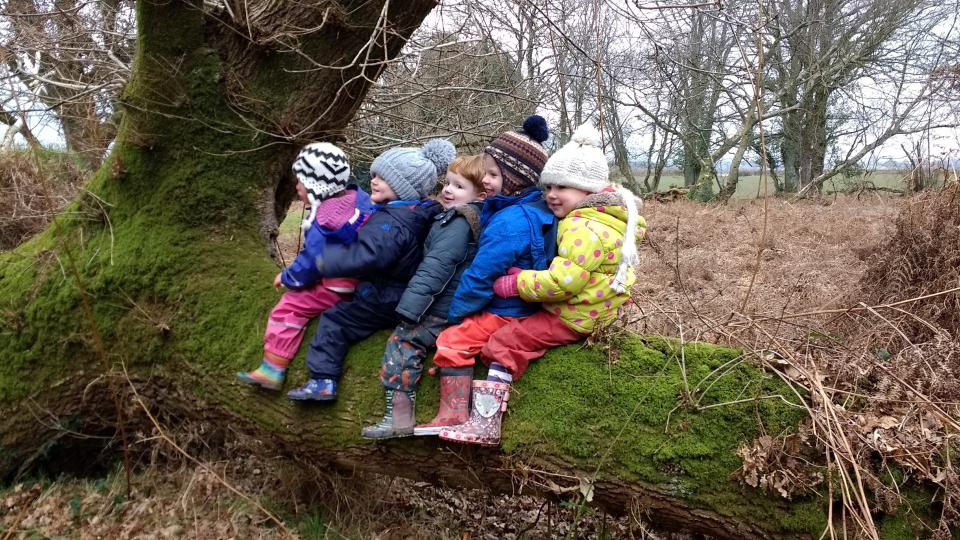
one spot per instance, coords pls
(454, 401)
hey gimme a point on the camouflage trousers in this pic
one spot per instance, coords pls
(402, 365)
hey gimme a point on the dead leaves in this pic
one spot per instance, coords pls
(775, 464)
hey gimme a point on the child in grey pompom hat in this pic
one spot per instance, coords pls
(412, 172)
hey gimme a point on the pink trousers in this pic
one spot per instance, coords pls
(290, 317)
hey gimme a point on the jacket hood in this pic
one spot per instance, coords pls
(471, 212)
(492, 205)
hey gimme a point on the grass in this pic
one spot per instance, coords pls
(749, 187)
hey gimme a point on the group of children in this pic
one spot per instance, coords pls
(483, 269)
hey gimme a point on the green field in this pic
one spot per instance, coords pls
(749, 187)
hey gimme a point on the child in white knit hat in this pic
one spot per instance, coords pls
(586, 283)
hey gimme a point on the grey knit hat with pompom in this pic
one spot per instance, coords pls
(412, 172)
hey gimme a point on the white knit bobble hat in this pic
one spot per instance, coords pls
(579, 164)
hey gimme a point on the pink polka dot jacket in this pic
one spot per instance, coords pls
(577, 285)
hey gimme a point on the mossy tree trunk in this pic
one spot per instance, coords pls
(161, 271)
(163, 263)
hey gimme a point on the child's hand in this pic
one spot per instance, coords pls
(277, 282)
(506, 286)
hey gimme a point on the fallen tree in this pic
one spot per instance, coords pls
(621, 434)
(159, 273)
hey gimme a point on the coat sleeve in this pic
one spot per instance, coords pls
(302, 272)
(378, 247)
(499, 249)
(447, 251)
(580, 253)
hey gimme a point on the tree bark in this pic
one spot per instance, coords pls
(733, 176)
(621, 155)
(813, 147)
(163, 261)
(709, 46)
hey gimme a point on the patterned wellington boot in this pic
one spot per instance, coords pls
(489, 403)
(269, 375)
(454, 401)
(398, 420)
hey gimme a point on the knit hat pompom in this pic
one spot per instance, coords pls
(440, 152)
(586, 135)
(520, 155)
(535, 126)
(412, 172)
(580, 164)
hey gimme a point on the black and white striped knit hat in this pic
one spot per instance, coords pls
(324, 171)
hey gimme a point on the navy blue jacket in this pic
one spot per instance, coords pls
(517, 231)
(448, 250)
(302, 272)
(388, 248)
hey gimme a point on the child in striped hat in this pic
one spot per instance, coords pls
(337, 210)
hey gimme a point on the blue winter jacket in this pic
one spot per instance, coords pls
(302, 272)
(388, 248)
(517, 231)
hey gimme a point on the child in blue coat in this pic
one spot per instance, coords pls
(384, 257)
(518, 231)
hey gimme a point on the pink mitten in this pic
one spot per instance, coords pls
(506, 286)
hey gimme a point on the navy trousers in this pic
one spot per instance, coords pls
(373, 308)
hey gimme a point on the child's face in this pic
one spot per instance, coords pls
(302, 193)
(562, 200)
(492, 180)
(380, 191)
(458, 190)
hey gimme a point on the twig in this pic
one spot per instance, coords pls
(849, 309)
(162, 434)
(20, 515)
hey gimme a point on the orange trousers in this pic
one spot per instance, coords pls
(509, 341)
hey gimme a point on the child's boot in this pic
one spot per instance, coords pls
(315, 390)
(269, 375)
(398, 420)
(454, 401)
(483, 427)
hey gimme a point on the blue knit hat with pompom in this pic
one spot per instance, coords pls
(412, 172)
(520, 154)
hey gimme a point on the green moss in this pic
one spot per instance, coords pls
(168, 284)
(631, 415)
(576, 406)
(915, 517)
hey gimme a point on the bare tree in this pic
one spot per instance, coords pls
(68, 59)
(827, 46)
(447, 85)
